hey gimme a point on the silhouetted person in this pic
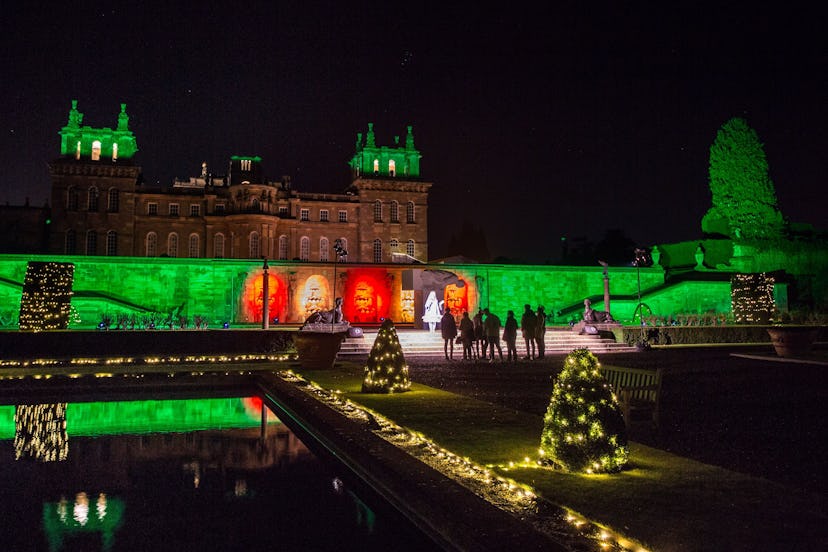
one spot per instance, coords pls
(528, 323)
(479, 334)
(540, 331)
(448, 327)
(467, 336)
(491, 329)
(510, 328)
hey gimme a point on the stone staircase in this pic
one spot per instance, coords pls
(423, 344)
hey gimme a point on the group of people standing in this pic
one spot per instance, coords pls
(480, 335)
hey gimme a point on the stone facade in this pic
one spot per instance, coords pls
(101, 207)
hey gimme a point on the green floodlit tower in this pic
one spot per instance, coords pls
(744, 198)
(97, 143)
(397, 161)
(583, 429)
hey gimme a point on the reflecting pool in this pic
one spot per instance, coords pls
(205, 474)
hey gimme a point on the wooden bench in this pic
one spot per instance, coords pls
(637, 389)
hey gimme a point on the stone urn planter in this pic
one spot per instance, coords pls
(793, 341)
(318, 349)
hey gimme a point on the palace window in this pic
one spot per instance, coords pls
(304, 248)
(323, 215)
(283, 247)
(377, 250)
(152, 209)
(304, 214)
(409, 212)
(173, 209)
(91, 242)
(254, 245)
(112, 204)
(194, 245)
(394, 245)
(112, 243)
(72, 199)
(283, 211)
(195, 210)
(343, 216)
(70, 244)
(392, 167)
(344, 243)
(376, 166)
(92, 199)
(172, 245)
(218, 246)
(323, 249)
(395, 211)
(152, 244)
(409, 248)
(96, 150)
(114, 152)
(378, 211)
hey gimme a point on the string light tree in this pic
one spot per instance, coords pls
(583, 429)
(386, 370)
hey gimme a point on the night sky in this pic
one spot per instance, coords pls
(535, 123)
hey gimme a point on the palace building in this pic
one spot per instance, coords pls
(100, 206)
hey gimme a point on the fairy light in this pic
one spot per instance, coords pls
(505, 493)
(751, 298)
(583, 430)
(47, 292)
(385, 369)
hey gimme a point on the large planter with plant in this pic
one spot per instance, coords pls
(793, 341)
(318, 349)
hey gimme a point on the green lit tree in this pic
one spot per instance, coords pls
(583, 430)
(744, 198)
(386, 370)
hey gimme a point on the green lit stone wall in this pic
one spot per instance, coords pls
(215, 288)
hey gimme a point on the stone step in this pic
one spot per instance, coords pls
(430, 345)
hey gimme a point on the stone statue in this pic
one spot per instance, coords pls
(333, 316)
(595, 316)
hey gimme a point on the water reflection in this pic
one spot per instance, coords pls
(40, 432)
(174, 475)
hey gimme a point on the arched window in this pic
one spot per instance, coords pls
(96, 150)
(394, 245)
(395, 211)
(112, 243)
(304, 248)
(92, 199)
(283, 247)
(253, 241)
(255, 204)
(172, 245)
(194, 246)
(151, 244)
(70, 244)
(91, 242)
(409, 212)
(409, 247)
(72, 199)
(377, 250)
(112, 204)
(392, 167)
(344, 243)
(376, 166)
(323, 249)
(114, 152)
(378, 211)
(218, 246)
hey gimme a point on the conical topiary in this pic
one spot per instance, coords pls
(386, 370)
(583, 430)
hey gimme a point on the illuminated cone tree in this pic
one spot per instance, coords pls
(386, 370)
(583, 430)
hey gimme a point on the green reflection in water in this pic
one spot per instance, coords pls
(125, 417)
